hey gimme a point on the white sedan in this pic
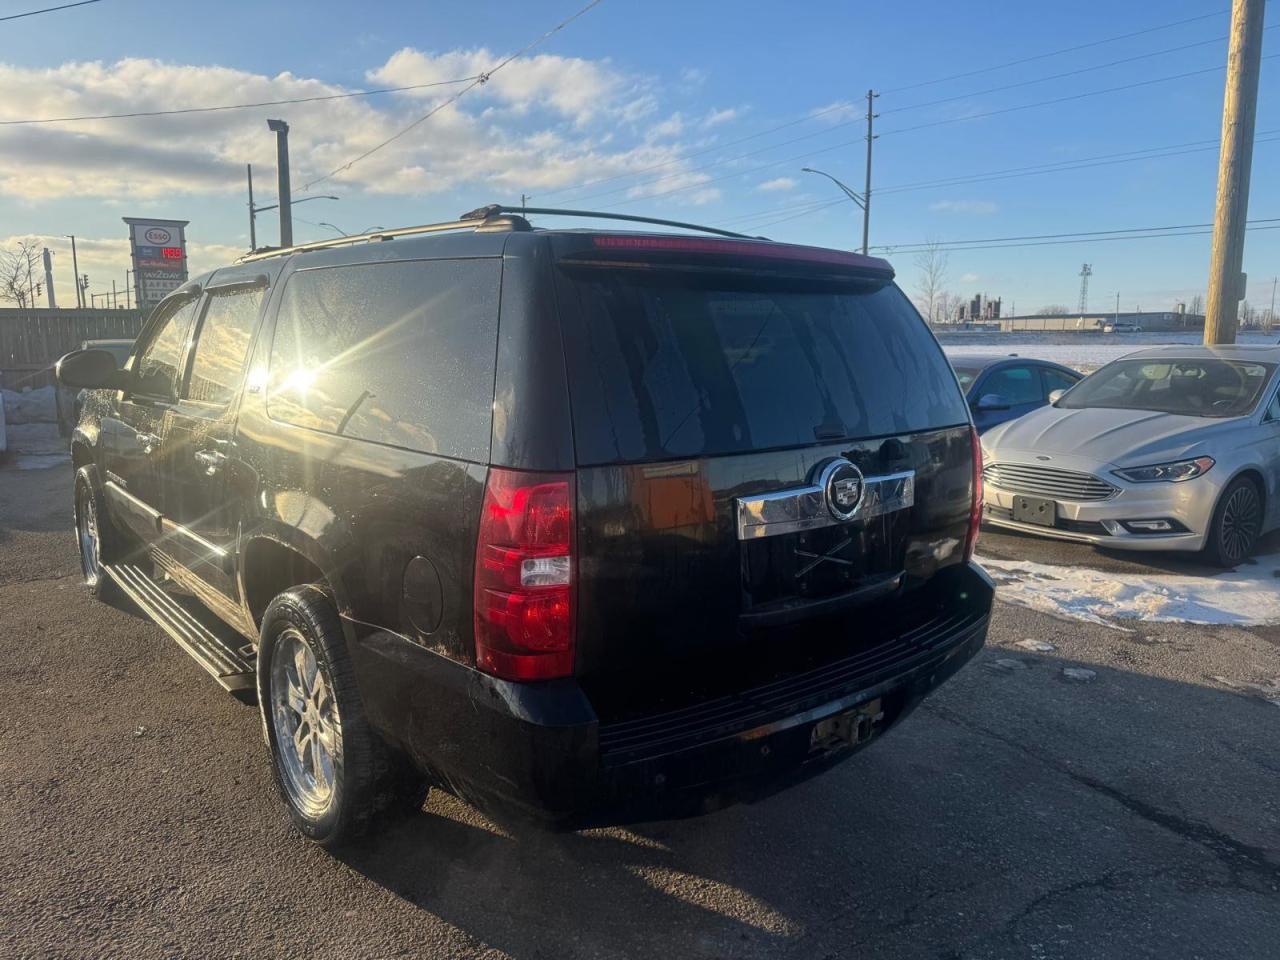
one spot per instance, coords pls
(1173, 448)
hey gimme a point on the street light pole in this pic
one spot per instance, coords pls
(282, 178)
(75, 267)
(253, 232)
(853, 195)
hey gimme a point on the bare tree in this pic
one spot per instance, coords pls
(1196, 306)
(1248, 315)
(1053, 310)
(18, 274)
(932, 264)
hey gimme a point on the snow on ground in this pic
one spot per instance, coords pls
(1247, 596)
(1083, 352)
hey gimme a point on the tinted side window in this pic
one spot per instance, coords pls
(223, 344)
(1015, 384)
(397, 353)
(1056, 380)
(157, 366)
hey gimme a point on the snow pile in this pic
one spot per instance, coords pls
(1247, 596)
(30, 406)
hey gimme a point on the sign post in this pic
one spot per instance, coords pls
(159, 251)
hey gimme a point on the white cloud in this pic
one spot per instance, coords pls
(839, 111)
(673, 126)
(575, 88)
(980, 207)
(779, 183)
(693, 76)
(716, 117)
(969, 278)
(540, 123)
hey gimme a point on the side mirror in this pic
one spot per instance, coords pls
(1056, 395)
(992, 401)
(90, 370)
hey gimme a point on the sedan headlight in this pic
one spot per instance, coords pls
(1174, 472)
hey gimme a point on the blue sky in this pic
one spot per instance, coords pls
(635, 92)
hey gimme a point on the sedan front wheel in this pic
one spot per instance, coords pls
(1237, 523)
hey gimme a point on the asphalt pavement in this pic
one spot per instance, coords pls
(1114, 796)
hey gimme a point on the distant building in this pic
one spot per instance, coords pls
(1161, 321)
(980, 307)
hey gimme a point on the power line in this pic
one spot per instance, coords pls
(1057, 53)
(990, 242)
(32, 13)
(1084, 163)
(841, 106)
(1059, 76)
(885, 133)
(238, 106)
(481, 79)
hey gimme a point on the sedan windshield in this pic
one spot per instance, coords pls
(1208, 387)
(966, 376)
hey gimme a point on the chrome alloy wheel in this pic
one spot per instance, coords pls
(306, 723)
(1241, 522)
(87, 534)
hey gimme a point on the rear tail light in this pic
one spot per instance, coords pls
(524, 616)
(975, 505)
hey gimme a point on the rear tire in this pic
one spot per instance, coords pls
(1236, 524)
(337, 777)
(96, 537)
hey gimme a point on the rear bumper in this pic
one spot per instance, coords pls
(540, 751)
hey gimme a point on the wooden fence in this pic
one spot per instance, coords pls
(31, 340)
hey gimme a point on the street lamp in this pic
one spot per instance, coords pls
(254, 211)
(853, 195)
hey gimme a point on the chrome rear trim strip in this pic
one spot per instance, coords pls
(804, 508)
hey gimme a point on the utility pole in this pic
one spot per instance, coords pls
(253, 231)
(1271, 314)
(128, 288)
(53, 300)
(75, 274)
(866, 190)
(282, 178)
(1117, 316)
(115, 302)
(1239, 109)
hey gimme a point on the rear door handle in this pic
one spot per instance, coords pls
(211, 460)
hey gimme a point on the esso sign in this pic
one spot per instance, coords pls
(158, 236)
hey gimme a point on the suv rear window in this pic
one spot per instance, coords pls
(669, 365)
(400, 353)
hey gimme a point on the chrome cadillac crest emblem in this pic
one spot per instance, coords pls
(843, 486)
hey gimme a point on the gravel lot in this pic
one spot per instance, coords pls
(1020, 813)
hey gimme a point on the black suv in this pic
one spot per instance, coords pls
(580, 525)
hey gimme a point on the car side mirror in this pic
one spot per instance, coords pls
(91, 370)
(992, 401)
(1056, 395)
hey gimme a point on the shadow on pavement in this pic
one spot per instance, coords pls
(1016, 807)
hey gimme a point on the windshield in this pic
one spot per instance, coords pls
(966, 376)
(668, 365)
(1208, 387)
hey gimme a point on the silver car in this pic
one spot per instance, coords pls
(1173, 448)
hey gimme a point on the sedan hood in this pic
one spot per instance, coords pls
(1118, 437)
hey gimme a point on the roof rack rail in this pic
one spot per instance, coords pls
(493, 217)
(477, 220)
(495, 209)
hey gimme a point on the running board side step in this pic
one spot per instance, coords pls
(218, 655)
